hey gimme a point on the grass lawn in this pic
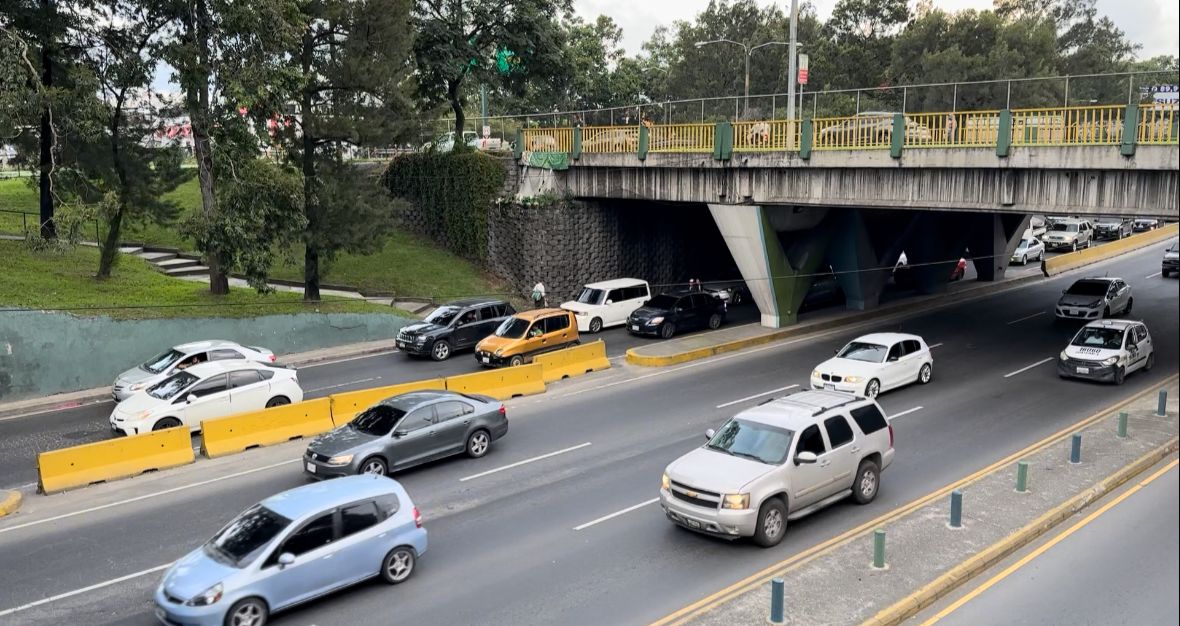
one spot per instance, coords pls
(52, 281)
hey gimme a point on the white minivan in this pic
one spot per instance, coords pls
(607, 303)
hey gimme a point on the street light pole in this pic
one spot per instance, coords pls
(749, 51)
(792, 63)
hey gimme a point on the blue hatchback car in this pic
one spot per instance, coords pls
(294, 547)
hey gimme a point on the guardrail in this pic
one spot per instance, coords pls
(1065, 262)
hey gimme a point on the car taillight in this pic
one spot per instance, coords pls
(417, 518)
(503, 411)
(273, 358)
(891, 435)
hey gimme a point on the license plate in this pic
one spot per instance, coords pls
(311, 467)
(486, 359)
(635, 327)
(829, 386)
(402, 345)
(1083, 370)
(692, 523)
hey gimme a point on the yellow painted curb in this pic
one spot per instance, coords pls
(930, 593)
(9, 503)
(1089, 256)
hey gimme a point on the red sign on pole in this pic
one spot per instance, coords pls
(803, 69)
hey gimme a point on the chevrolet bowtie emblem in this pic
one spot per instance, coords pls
(691, 494)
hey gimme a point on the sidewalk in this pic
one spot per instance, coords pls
(925, 558)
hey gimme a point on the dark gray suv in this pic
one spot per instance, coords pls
(455, 326)
(408, 430)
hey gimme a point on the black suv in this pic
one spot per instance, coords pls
(1112, 228)
(455, 326)
(668, 313)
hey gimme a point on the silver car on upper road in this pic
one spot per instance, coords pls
(1095, 298)
(180, 357)
(408, 430)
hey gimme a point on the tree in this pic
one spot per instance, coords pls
(860, 33)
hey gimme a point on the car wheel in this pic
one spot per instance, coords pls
(1073, 247)
(1120, 375)
(714, 321)
(398, 565)
(278, 401)
(868, 478)
(478, 443)
(247, 612)
(772, 523)
(1088, 242)
(516, 361)
(1130, 303)
(1106, 313)
(1024, 260)
(1150, 362)
(595, 325)
(925, 374)
(167, 422)
(1041, 255)
(667, 330)
(440, 350)
(873, 389)
(374, 465)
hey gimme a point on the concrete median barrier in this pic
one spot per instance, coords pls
(346, 406)
(501, 384)
(1065, 262)
(9, 502)
(230, 435)
(101, 461)
(572, 362)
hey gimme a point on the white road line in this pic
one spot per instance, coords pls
(1153, 275)
(78, 592)
(905, 412)
(1026, 317)
(63, 407)
(934, 345)
(524, 462)
(757, 395)
(147, 496)
(1027, 368)
(354, 382)
(617, 513)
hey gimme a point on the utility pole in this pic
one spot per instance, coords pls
(793, 70)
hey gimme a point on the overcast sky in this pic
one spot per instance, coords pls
(1154, 24)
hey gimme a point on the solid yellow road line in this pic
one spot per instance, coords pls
(1041, 550)
(682, 615)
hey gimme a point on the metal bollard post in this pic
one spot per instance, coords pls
(1075, 449)
(1161, 409)
(1022, 477)
(1122, 424)
(879, 548)
(776, 601)
(956, 509)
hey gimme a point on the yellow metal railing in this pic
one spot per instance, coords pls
(1069, 126)
(867, 131)
(549, 139)
(773, 135)
(680, 138)
(611, 139)
(1157, 124)
(957, 129)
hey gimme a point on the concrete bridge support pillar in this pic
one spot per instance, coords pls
(991, 239)
(862, 252)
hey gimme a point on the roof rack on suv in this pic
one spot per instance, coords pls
(817, 409)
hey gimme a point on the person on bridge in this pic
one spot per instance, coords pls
(950, 127)
(539, 296)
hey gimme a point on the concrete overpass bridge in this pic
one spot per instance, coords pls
(793, 196)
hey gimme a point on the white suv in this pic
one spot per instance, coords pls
(780, 460)
(1069, 233)
(607, 303)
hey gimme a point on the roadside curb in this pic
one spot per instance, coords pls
(9, 502)
(1103, 252)
(932, 592)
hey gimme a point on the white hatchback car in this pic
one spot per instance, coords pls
(1107, 350)
(206, 391)
(179, 357)
(874, 363)
(607, 303)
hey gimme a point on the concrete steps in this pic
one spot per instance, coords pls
(189, 270)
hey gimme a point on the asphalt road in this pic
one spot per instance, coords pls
(1121, 568)
(504, 549)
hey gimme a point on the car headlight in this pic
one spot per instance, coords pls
(207, 597)
(343, 459)
(737, 501)
(1063, 356)
(136, 386)
(852, 379)
(655, 320)
(815, 374)
(499, 351)
(1110, 361)
(665, 483)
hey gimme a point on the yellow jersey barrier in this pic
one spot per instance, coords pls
(346, 406)
(570, 362)
(230, 435)
(1065, 262)
(501, 384)
(78, 466)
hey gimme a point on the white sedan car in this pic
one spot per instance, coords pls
(874, 363)
(1107, 350)
(206, 391)
(179, 357)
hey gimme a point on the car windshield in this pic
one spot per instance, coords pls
(1087, 288)
(1024, 243)
(169, 387)
(242, 539)
(751, 440)
(661, 302)
(377, 420)
(163, 362)
(590, 295)
(867, 352)
(1064, 228)
(1174, 248)
(1110, 221)
(1099, 337)
(512, 328)
(443, 315)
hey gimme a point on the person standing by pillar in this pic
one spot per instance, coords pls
(539, 296)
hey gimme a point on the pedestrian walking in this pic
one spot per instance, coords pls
(950, 127)
(539, 296)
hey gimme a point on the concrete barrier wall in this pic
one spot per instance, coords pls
(501, 384)
(78, 466)
(230, 435)
(1065, 262)
(572, 362)
(346, 406)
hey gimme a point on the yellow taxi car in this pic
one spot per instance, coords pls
(525, 335)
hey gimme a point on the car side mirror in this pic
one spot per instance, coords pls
(191, 398)
(709, 434)
(892, 358)
(610, 301)
(805, 457)
(286, 559)
(398, 434)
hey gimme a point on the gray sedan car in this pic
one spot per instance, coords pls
(408, 430)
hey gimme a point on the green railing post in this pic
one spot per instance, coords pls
(1022, 477)
(1004, 134)
(1122, 424)
(806, 139)
(722, 141)
(576, 152)
(518, 151)
(644, 142)
(897, 137)
(1130, 130)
